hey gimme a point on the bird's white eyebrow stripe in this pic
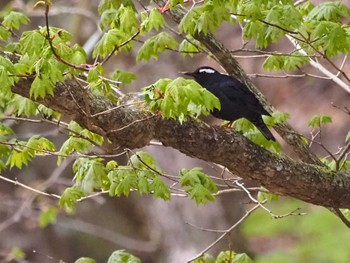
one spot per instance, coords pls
(206, 70)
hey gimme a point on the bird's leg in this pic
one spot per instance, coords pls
(227, 125)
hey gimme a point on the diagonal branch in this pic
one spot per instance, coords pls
(280, 175)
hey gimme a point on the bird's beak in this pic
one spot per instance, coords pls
(186, 73)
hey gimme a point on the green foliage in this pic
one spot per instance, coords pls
(14, 20)
(179, 98)
(32, 42)
(85, 260)
(89, 174)
(70, 197)
(80, 140)
(205, 18)
(278, 62)
(154, 20)
(174, 3)
(17, 253)
(110, 42)
(106, 5)
(253, 134)
(223, 257)
(23, 106)
(121, 256)
(329, 11)
(318, 120)
(7, 71)
(199, 185)
(268, 23)
(123, 76)
(26, 151)
(347, 138)
(330, 37)
(262, 196)
(47, 216)
(187, 46)
(141, 174)
(155, 45)
(276, 118)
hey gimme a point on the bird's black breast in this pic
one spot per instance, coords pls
(236, 99)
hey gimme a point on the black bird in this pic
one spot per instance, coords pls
(236, 100)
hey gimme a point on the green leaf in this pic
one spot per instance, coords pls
(199, 185)
(47, 216)
(122, 181)
(90, 174)
(330, 37)
(278, 62)
(295, 61)
(187, 48)
(160, 189)
(318, 120)
(77, 142)
(14, 19)
(262, 196)
(142, 159)
(39, 145)
(70, 197)
(285, 16)
(155, 45)
(200, 194)
(276, 118)
(179, 98)
(226, 256)
(17, 253)
(121, 256)
(32, 42)
(258, 31)
(110, 42)
(174, 3)
(154, 20)
(78, 55)
(5, 80)
(123, 76)
(206, 258)
(242, 258)
(347, 138)
(105, 5)
(204, 19)
(23, 106)
(330, 11)
(41, 86)
(18, 158)
(85, 260)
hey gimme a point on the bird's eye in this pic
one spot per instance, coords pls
(206, 70)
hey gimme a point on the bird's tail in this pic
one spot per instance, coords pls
(264, 130)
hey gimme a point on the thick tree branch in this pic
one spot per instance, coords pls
(280, 175)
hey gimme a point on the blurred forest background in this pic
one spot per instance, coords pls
(158, 231)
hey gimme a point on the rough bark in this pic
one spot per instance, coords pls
(134, 127)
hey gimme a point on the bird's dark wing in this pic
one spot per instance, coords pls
(239, 94)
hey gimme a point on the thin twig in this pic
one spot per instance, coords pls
(224, 234)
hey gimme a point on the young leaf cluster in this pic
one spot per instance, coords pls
(118, 256)
(199, 185)
(223, 257)
(180, 98)
(24, 151)
(205, 18)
